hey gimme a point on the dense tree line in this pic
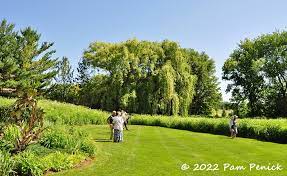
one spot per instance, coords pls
(144, 77)
(138, 76)
(257, 70)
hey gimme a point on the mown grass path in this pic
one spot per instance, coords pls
(162, 151)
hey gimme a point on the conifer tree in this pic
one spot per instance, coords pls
(26, 68)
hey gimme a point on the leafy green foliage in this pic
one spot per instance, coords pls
(141, 77)
(150, 77)
(64, 88)
(84, 72)
(6, 163)
(257, 71)
(207, 93)
(26, 68)
(8, 52)
(65, 72)
(64, 92)
(26, 163)
(71, 140)
(5, 115)
(58, 161)
(24, 65)
(223, 113)
(36, 159)
(10, 135)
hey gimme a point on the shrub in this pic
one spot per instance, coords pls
(54, 139)
(58, 161)
(10, 135)
(6, 163)
(39, 150)
(26, 163)
(88, 147)
(224, 114)
(68, 138)
(5, 112)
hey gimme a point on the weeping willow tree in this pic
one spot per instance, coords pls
(169, 98)
(143, 76)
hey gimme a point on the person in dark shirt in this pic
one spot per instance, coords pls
(233, 126)
(110, 122)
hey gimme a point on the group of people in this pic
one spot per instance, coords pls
(117, 121)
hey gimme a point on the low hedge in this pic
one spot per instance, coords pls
(261, 129)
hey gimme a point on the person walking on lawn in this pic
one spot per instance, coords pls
(118, 123)
(126, 118)
(110, 122)
(233, 126)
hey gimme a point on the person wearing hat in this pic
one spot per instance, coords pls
(233, 126)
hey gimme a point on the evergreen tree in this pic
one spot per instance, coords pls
(65, 73)
(84, 72)
(64, 89)
(27, 68)
(207, 92)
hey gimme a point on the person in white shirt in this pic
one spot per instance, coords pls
(118, 126)
(126, 118)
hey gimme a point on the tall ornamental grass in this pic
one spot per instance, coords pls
(274, 130)
(61, 113)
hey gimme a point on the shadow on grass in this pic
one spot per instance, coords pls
(103, 140)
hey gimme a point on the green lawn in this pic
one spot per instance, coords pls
(162, 151)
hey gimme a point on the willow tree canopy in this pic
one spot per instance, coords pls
(144, 76)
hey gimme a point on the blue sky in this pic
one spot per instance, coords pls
(213, 26)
